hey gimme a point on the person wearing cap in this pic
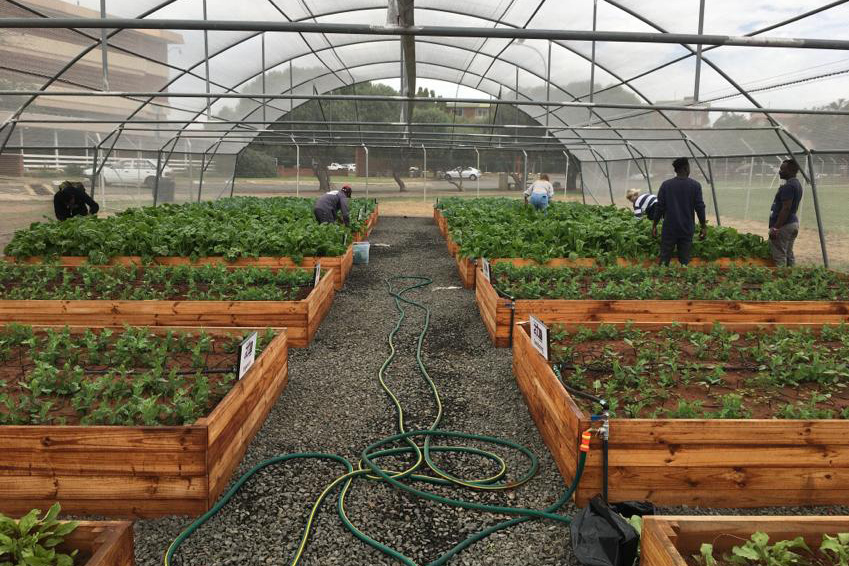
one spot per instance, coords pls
(72, 200)
(539, 193)
(327, 204)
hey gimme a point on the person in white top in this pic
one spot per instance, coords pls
(539, 193)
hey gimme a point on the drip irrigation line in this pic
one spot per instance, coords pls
(418, 446)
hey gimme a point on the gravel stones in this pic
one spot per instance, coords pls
(334, 404)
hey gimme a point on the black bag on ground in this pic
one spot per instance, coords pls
(600, 537)
(630, 508)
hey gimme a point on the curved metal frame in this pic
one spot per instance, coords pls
(564, 133)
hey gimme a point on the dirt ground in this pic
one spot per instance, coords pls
(807, 247)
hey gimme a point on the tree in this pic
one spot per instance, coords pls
(732, 120)
(252, 163)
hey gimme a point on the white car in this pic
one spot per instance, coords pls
(469, 173)
(335, 167)
(352, 167)
(130, 172)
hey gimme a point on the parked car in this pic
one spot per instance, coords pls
(335, 167)
(352, 167)
(469, 173)
(133, 172)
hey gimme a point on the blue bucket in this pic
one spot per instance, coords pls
(361, 252)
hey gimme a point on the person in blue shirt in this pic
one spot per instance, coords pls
(678, 200)
(783, 222)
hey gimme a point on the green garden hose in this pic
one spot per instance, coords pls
(418, 445)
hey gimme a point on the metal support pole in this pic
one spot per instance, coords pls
(515, 109)
(424, 172)
(9, 127)
(548, 87)
(291, 91)
(189, 161)
(117, 134)
(104, 47)
(56, 149)
(479, 171)
(365, 147)
(820, 228)
(648, 174)
(264, 100)
(566, 180)
(699, 54)
(156, 181)
(713, 192)
(202, 169)
(205, 164)
(609, 183)
(94, 171)
(592, 58)
(583, 192)
(297, 170)
(524, 171)
(206, 65)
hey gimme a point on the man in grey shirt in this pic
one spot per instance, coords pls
(783, 222)
(327, 204)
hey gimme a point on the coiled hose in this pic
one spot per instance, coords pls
(417, 444)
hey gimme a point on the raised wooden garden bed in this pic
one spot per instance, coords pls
(467, 268)
(300, 318)
(371, 221)
(500, 313)
(341, 265)
(670, 540)
(704, 462)
(106, 543)
(140, 471)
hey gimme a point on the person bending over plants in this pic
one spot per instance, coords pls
(539, 193)
(327, 204)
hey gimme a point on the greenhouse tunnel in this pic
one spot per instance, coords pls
(328, 309)
(614, 93)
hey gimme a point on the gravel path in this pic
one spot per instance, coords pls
(334, 404)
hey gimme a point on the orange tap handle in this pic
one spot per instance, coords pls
(585, 440)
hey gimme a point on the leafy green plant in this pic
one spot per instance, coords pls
(129, 377)
(668, 283)
(705, 556)
(207, 283)
(498, 228)
(837, 547)
(759, 551)
(231, 228)
(679, 373)
(32, 541)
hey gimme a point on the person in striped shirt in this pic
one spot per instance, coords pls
(644, 205)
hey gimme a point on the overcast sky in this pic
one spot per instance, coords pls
(751, 67)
